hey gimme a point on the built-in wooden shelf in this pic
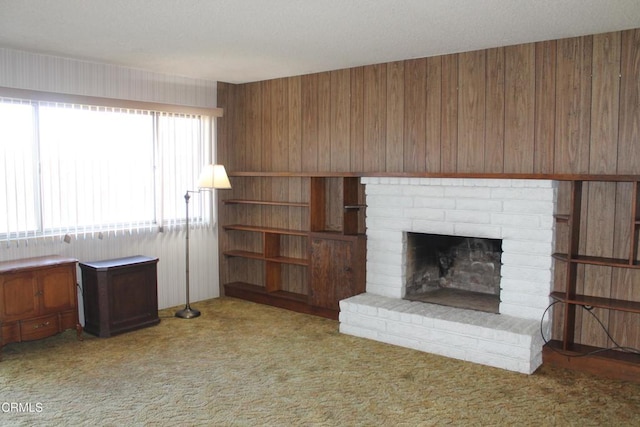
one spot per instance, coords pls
(271, 230)
(609, 363)
(598, 302)
(261, 256)
(264, 203)
(282, 299)
(596, 260)
(566, 352)
(330, 248)
(361, 174)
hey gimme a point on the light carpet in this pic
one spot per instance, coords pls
(245, 364)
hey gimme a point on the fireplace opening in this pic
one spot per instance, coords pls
(455, 271)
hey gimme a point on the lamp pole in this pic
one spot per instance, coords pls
(187, 312)
(212, 176)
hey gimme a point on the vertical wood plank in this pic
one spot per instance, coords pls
(449, 116)
(296, 217)
(573, 101)
(395, 117)
(310, 122)
(294, 120)
(495, 108)
(471, 104)
(375, 120)
(324, 121)
(267, 115)
(599, 242)
(253, 132)
(356, 149)
(519, 111)
(415, 81)
(238, 131)
(280, 125)
(434, 117)
(340, 120)
(545, 104)
(629, 134)
(605, 102)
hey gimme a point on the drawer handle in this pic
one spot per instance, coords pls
(42, 325)
(39, 293)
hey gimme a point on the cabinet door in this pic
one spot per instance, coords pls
(132, 294)
(332, 272)
(57, 286)
(19, 296)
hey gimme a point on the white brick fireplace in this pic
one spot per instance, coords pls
(520, 212)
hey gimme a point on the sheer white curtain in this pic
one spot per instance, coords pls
(76, 170)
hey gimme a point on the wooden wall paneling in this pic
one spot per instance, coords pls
(434, 116)
(324, 121)
(268, 124)
(268, 97)
(449, 115)
(252, 271)
(602, 159)
(356, 139)
(254, 190)
(471, 111)
(340, 120)
(280, 140)
(605, 103)
(415, 99)
(279, 149)
(238, 134)
(600, 222)
(253, 121)
(294, 123)
(573, 102)
(495, 111)
(309, 88)
(561, 246)
(625, 327)
(297, 217)
(375, 119)
(545, 107)
(520, 108)
(629, 116)
(395, 117)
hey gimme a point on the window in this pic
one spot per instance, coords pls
(79, 169)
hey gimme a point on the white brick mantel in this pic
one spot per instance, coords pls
(520, 212)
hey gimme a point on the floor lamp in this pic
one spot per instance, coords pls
(212, 177)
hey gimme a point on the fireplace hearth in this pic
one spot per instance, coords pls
(517, 214)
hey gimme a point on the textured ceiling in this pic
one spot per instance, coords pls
(249, 40)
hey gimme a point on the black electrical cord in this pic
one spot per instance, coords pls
(590, 353)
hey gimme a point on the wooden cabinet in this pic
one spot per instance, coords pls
(120, 295)
(582, 297)
(269, 258)
(37, 298)
(335, 272)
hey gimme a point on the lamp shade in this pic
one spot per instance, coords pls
(214, 176)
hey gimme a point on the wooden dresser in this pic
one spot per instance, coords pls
(37, 298)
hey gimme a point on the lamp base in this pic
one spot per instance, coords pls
(187, 313)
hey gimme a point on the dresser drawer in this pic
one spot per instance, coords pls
(39, 327)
